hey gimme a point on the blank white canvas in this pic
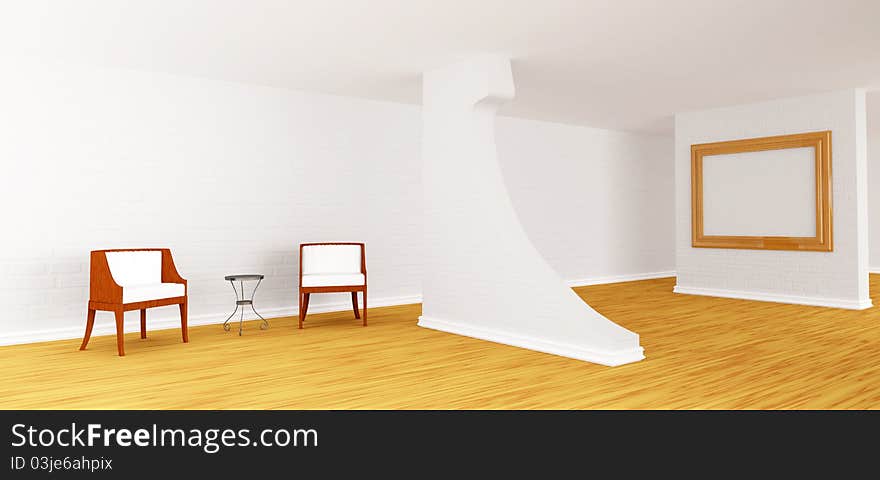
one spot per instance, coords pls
(767, 193)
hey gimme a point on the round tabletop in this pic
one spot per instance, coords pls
(244, 277)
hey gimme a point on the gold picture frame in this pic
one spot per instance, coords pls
(821, 242)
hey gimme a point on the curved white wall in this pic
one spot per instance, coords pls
(482, 276)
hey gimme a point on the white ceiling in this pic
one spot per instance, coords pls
(621, 64)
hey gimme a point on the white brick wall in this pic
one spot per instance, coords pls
(232, 177)
(837, 278)
(594, 202)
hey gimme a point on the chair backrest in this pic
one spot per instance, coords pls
(135, 267)
(331, 258)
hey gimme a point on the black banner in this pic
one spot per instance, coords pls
(111, 444)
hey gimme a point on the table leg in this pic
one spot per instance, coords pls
(226, 323)
(265, 323)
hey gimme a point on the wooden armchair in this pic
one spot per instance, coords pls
(137, 279)
(332, 267)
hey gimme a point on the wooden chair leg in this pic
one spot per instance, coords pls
(305, 306)
(354, 304)
(143, 323)
(365, 306)
(300, 302)
(183, 327)
(120, 334)
(90, 322)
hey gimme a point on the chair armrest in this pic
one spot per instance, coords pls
(102, 287)
(169, 271)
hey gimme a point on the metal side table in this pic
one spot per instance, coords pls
(240, 300)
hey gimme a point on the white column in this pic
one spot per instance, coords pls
(483, 277)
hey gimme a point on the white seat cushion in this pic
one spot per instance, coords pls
(156, 291)
(333, 280)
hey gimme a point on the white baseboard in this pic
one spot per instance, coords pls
(583, 282)
(104, 327)
(611, 359)
(770, 297)
(108, 327)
